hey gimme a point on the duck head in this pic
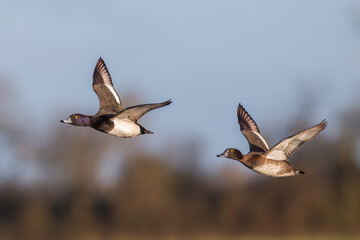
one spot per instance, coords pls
(231, 153)
(77, 120)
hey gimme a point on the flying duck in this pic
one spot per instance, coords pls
(263, 159)
(111, 117)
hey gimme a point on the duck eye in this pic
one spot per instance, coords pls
(231, 150)
(76, 117)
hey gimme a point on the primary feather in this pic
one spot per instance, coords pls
(102, 84)
(287, 146)
(250, 130)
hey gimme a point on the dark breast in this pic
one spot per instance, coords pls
(102, 123)
(253, 160)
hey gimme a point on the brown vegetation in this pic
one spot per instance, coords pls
(155, 197)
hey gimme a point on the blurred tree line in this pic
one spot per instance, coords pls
(168, 194)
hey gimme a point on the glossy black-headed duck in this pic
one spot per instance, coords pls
(111, 117)
(271, 162)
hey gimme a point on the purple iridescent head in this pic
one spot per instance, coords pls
(78, 120)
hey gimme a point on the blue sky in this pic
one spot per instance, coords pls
(205, 55)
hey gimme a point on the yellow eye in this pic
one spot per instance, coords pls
(231, 150)
(76, 116)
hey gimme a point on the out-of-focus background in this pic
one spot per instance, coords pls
(290, 63)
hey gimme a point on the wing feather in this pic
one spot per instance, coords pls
(287, 146)
(136, 112)
(251, 131)
(109, 100)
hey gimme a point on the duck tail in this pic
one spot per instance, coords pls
(299, 172)
(144, 131)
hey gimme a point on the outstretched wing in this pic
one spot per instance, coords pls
(251, 131)
(288, 146)
(110, 102)
(136, 112)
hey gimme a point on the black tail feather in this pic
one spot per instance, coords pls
(144, 131)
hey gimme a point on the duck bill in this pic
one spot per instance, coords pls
(221, 155)
(66, 120)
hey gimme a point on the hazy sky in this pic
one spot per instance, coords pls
(207, 56)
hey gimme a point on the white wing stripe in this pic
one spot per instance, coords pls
(113, 92)
(262, 139)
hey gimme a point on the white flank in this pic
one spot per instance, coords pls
(271, 170)
(125, 128)
(112, 90)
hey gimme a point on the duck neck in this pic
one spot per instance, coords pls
(237, 156)
(83, 121)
